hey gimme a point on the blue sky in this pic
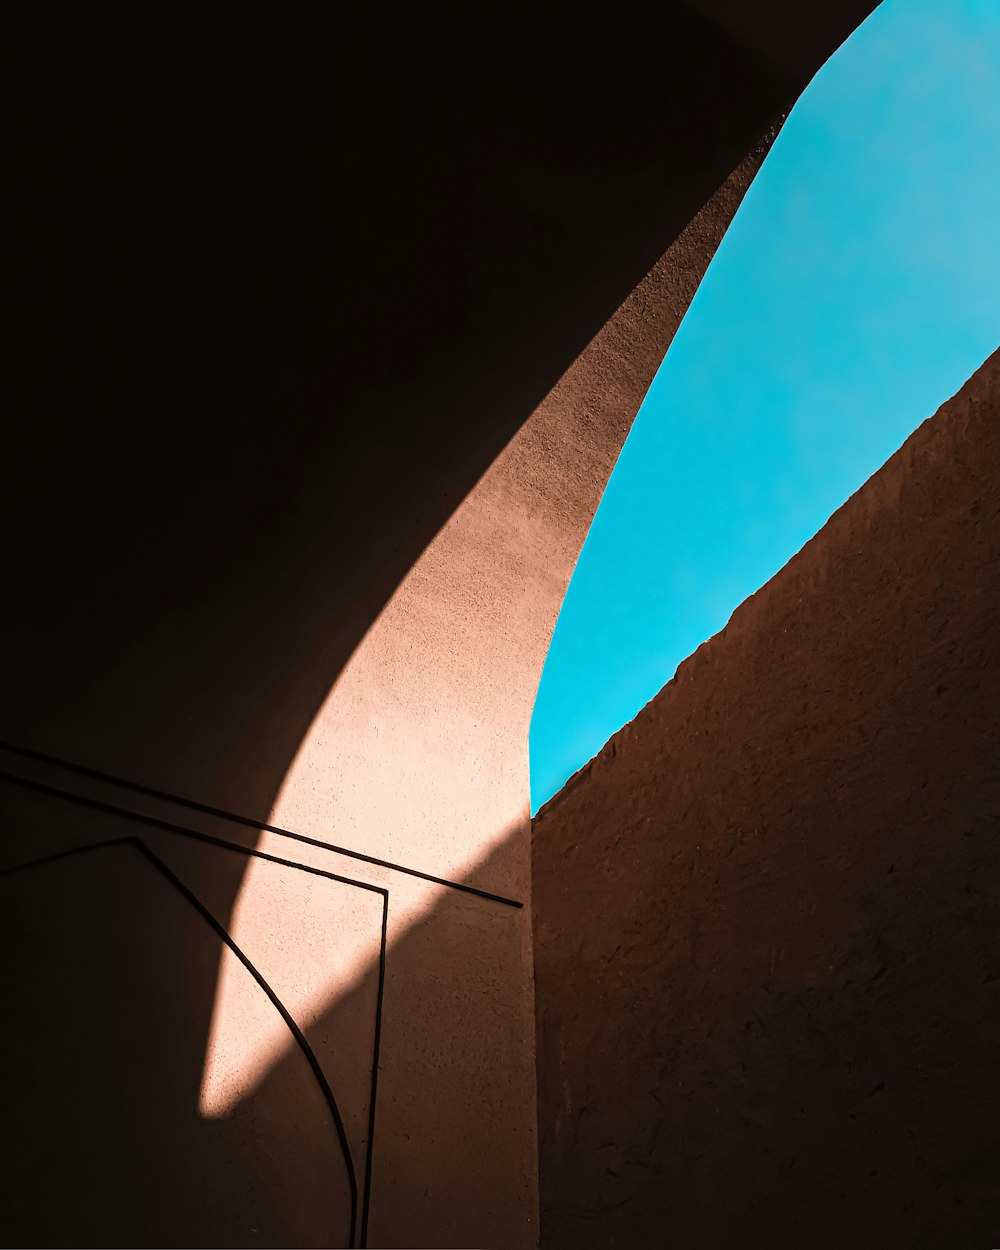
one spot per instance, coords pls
(856, 290)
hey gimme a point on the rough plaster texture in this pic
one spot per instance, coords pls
(285, 291)
(418, 756)
(273, 327)
(420, 751)
(766, 914)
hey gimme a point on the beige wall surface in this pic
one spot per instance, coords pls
(766, 914)
(298, 463)
(418, 757)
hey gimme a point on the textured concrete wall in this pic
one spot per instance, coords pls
(766, 915)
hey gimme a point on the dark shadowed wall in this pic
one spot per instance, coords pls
(298, 460)
(767, 914)
(419, 753)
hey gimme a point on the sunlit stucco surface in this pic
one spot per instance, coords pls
(419, 756)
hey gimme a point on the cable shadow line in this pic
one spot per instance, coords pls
(236, 818)
(369, 1154)
(275, 1001)
(196, 835)
(124, 813)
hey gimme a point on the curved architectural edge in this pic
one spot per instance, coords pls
(420, 752)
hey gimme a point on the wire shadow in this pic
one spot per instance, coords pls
(219, 929)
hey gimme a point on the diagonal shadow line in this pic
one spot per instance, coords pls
(169, 827)
(369, 1151)
(124, 813)
(297, 1034)
(238, 819)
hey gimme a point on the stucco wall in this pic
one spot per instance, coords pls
(416, 758)
(285, 290)
(766, 914)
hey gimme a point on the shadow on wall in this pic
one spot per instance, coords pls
(783, 989)
(445, 1172)
(765, 953)
(254, 381)
(414, 706)
(113, 923)
(102, 1036)
(272, 325)
(766, 962)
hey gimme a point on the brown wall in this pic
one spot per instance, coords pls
(766, 915)
(418, 755)
(296, 301)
